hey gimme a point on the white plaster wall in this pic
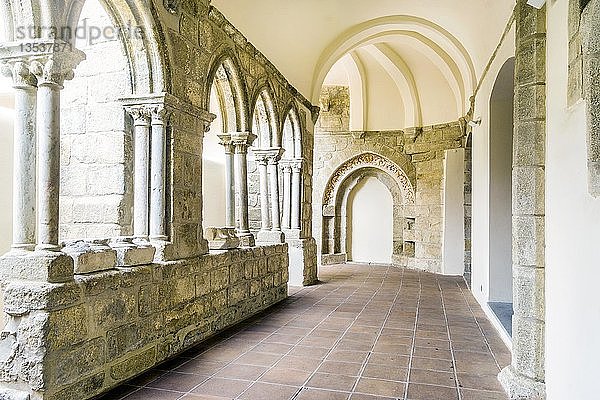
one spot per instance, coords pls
(370, 222)
(481, 176)
(454, 212)
(6, 164)
(572, 235)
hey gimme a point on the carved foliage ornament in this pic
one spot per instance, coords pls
(368, 160)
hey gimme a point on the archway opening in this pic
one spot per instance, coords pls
(370, 215)
(96, 141)
(213, 162)
(501, 146)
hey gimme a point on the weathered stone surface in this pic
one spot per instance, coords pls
(221, 238)
(131, 253)
(89, 257)
(40, 265)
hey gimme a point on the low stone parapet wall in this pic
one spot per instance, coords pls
(78, 339)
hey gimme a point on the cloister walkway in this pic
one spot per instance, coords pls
(366, 332)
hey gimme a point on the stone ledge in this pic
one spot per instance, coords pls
(91, 256)
(46, 266)
(131, 252)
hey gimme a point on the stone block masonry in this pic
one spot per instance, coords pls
(78, 339)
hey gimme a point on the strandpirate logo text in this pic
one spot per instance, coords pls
(67, 35)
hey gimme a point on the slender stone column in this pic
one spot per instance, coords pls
(229, 181)
(158, 173)
(141, 140)
(241, 141)
(51, 71)
(274, 189)
(296, 194)
(264, 194)
(286, 168)
(24, 174)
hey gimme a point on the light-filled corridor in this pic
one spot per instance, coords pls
(365, 332)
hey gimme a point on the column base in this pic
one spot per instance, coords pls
(270, 237)
(45, 266)
(521, 387)
(90, 257)
(246, 240)
(133, 252)
(169, 251)
(23, 247)
(221, 238)
(303, 262)
(333, 259)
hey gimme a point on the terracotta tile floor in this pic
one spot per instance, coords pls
(367, 332)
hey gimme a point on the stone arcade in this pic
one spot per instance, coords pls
(174, 183)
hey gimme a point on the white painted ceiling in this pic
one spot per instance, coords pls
(432, 52)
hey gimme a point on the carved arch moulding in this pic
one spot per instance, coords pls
(368, 160)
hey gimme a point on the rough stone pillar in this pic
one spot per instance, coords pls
(296, 214)
(229, 181)
(141, 140)
(51, 71)
(286, 169)
(158, 173)
(241, 141)
(525, 377)
(24, 174)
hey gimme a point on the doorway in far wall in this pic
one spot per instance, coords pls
(370, 222)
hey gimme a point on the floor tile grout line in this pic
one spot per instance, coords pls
(414, 340)
(456, 383)
(369, 291)
(306, 335)
(347, 329)
(237, 358)
(485, 339)
(364, 365)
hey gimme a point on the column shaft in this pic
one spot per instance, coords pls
(241, 182)
(48, 123)
(141, 178)
(296, 195)
(287, 197)
(229, 190)
(158, 177)
(274, 189)
(24, 174)
(264, 195)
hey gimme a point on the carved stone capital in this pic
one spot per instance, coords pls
(140, 115)
(242, 141)
(271, 155)
(286, 165)
(19, 71)
(297, 164)
(160, 113)
(56, 68)
(226, 142)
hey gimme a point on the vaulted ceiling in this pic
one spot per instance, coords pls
(407, 63)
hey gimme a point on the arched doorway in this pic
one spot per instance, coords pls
(336, 224)
(370, 215)
(501, 145)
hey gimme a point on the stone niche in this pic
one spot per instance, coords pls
(79, 339)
